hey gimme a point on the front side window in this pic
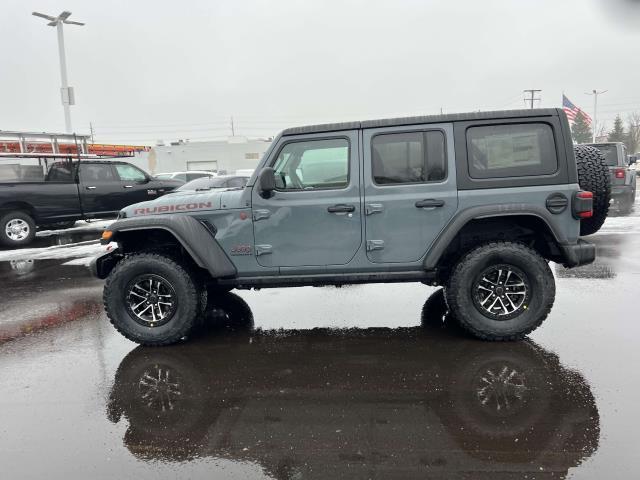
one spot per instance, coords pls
(129, 173)
(412, 157)
(514, 150)
(313, 165)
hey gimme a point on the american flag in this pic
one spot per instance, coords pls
(572, 111)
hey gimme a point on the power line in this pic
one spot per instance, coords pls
(533, 98)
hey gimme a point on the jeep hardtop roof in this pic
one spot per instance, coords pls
(449, 117)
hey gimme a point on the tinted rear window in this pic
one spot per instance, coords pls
(514, 150)
(411, 157)
(610, 154)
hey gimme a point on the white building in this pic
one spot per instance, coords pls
(225, 156)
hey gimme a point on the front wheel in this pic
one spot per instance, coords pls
(16, 229)
(152, 299)
(501, 291)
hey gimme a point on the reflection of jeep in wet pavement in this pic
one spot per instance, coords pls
(376, 403)
(478, 203)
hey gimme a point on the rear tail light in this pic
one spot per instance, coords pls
(583, 204)
(619, 172)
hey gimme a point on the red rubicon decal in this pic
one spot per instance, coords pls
(181, 207)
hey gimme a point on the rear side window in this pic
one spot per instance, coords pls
(60, 172)
(91, 173)
(514, 150)
(411, 157)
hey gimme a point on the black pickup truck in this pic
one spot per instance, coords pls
(33, 196)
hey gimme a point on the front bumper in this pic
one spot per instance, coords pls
(102, 265)
(579, 253)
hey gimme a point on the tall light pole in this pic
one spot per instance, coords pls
(68, 97)
(595, 94)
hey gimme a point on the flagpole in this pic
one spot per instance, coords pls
(595, 94)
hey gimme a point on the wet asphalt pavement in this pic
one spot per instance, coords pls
(371, 393)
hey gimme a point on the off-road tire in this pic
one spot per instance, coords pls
(593, 176)
(7, 241)
(226, 310)
(434, 310)
(463, 281)
(181, 279)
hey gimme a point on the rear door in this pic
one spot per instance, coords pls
(100, 189)
(410, 190)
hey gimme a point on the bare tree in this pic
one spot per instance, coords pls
(633, 133)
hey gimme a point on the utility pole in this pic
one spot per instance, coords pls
(595, 94)
(91, 130)
(233, 130)
(533, 98)
(68, 97)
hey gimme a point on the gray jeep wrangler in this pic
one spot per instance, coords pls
(622, 177)
(477, 202)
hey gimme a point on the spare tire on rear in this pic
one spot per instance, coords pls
(593, 176)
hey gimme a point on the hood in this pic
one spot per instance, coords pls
(183, 202)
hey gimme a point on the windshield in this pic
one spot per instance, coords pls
(610, 153)
(205, 183)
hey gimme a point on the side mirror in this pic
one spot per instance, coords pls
(267, 181)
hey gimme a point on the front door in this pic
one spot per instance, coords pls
(409, 190)
(135, 185)
(313, 218)
(100, 189)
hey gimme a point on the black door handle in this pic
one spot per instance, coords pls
(429, 203)
(340, 208)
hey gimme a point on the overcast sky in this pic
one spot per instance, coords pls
(156, 69)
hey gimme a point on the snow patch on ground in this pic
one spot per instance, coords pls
(82, 250)
(80, 226)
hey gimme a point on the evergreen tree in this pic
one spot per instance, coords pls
(581, 131)
(617, 134)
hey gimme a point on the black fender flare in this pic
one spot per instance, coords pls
(463, 217)
(196, 237)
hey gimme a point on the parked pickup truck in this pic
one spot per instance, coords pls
(623, 178)
(34, 196)
(478, 203)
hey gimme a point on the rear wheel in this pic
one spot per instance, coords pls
(16, 229)
(501, 291)
(152, 299)
(593, 176)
